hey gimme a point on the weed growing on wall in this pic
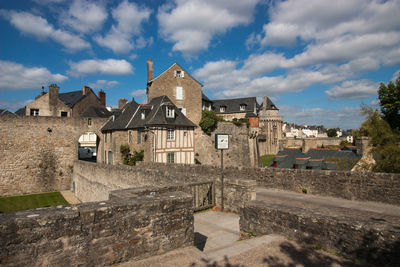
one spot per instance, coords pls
(128, 158)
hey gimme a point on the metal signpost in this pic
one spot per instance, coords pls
(222, 143)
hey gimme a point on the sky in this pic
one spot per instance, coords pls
(317, 60)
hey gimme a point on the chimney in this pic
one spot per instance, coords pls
(149, 70)
(121, 103)
(85, 90)
(264, 103)
(102, 96)
(53, 94)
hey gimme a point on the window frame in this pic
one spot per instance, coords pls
(34, 112)
(170, 112)
(222, 109)
(180, 95)
(171, 157)
(170, 134)
(242, 107)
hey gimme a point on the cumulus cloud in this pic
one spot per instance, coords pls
(38, 27)
(14, 76)
(138, 93)
(106, 66)
(191, 24)
(84, 16)
(103, 84)
(353, 90)
(344, 118)
(129, 18)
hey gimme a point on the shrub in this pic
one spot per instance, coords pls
(209, 121)
(240, 121)
(131, 159)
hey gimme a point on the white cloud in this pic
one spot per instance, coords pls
(38, 27)
(106, 66)
(103, 84)
(345, 118)
(129, 18)
(13, 105)
(138, 93)
(133, 56)
(353, 90)
(84, 16)
(396, 75)
(191, 24)
(14, 76)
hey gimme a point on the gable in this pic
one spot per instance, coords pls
(175, 67)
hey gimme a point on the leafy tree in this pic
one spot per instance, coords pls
(131, 159)
(332, 132)
(209, 121)
(389, 98)
(384, 141)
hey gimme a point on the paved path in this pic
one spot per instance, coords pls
(70, 197)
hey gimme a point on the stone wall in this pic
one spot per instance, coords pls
(238, 154)
(98, 233)
(379, 187)
(37, 153)
(288, 142)
(94, 181)
(358, 236)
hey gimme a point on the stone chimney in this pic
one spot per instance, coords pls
(150, 73)
(85, 90)
(53, 94)
(121, 103)
(265, 103)
(102, 96)
(362, 145)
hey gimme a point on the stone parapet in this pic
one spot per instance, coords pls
(98, 233)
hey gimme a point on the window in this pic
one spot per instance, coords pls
(65, 114)
(139, 137)
(110, 159)
(89, 121)
(170, 112)
(222, 109)
(179, 93)
(179, 74)
(171, 157)
(243, 107)
(34, 112)
(129, 137)
(143, 115)
(170, 134)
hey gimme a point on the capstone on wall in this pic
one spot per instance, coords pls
(37, 153)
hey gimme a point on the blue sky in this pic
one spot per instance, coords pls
(318, 60)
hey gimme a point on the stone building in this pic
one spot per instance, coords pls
(82, 103)
(158, 128)
(183, 90)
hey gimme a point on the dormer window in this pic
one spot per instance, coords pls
(170, 112)
(179, 74)
(243, 107)
(222, 109)
(143, 115)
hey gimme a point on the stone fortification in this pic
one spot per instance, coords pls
(368, 186)
(368, 237)
(94, 181)
(99, 233)
(37, 153)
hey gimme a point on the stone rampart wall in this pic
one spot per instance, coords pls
(97, 233)
(369, 186)
(373, 241)
(37, 153)
(94, 181)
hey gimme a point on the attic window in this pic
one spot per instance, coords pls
(243, 107)
(143, 115)
(222, 109)
(179, 74)
(170, 112)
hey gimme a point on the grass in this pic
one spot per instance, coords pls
(266, 159)
(26, 202)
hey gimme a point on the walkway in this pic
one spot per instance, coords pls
(70, 197)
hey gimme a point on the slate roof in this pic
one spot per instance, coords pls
(21, 112)
(99, 112)
(270, 105)
(205, 98)
(233, 105)
(313, 158)
(6, 112)
(71, 98)
(155, 115)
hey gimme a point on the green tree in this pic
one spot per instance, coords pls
(209, 121)
(389, 98)
(384, 141)
(332, 132)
